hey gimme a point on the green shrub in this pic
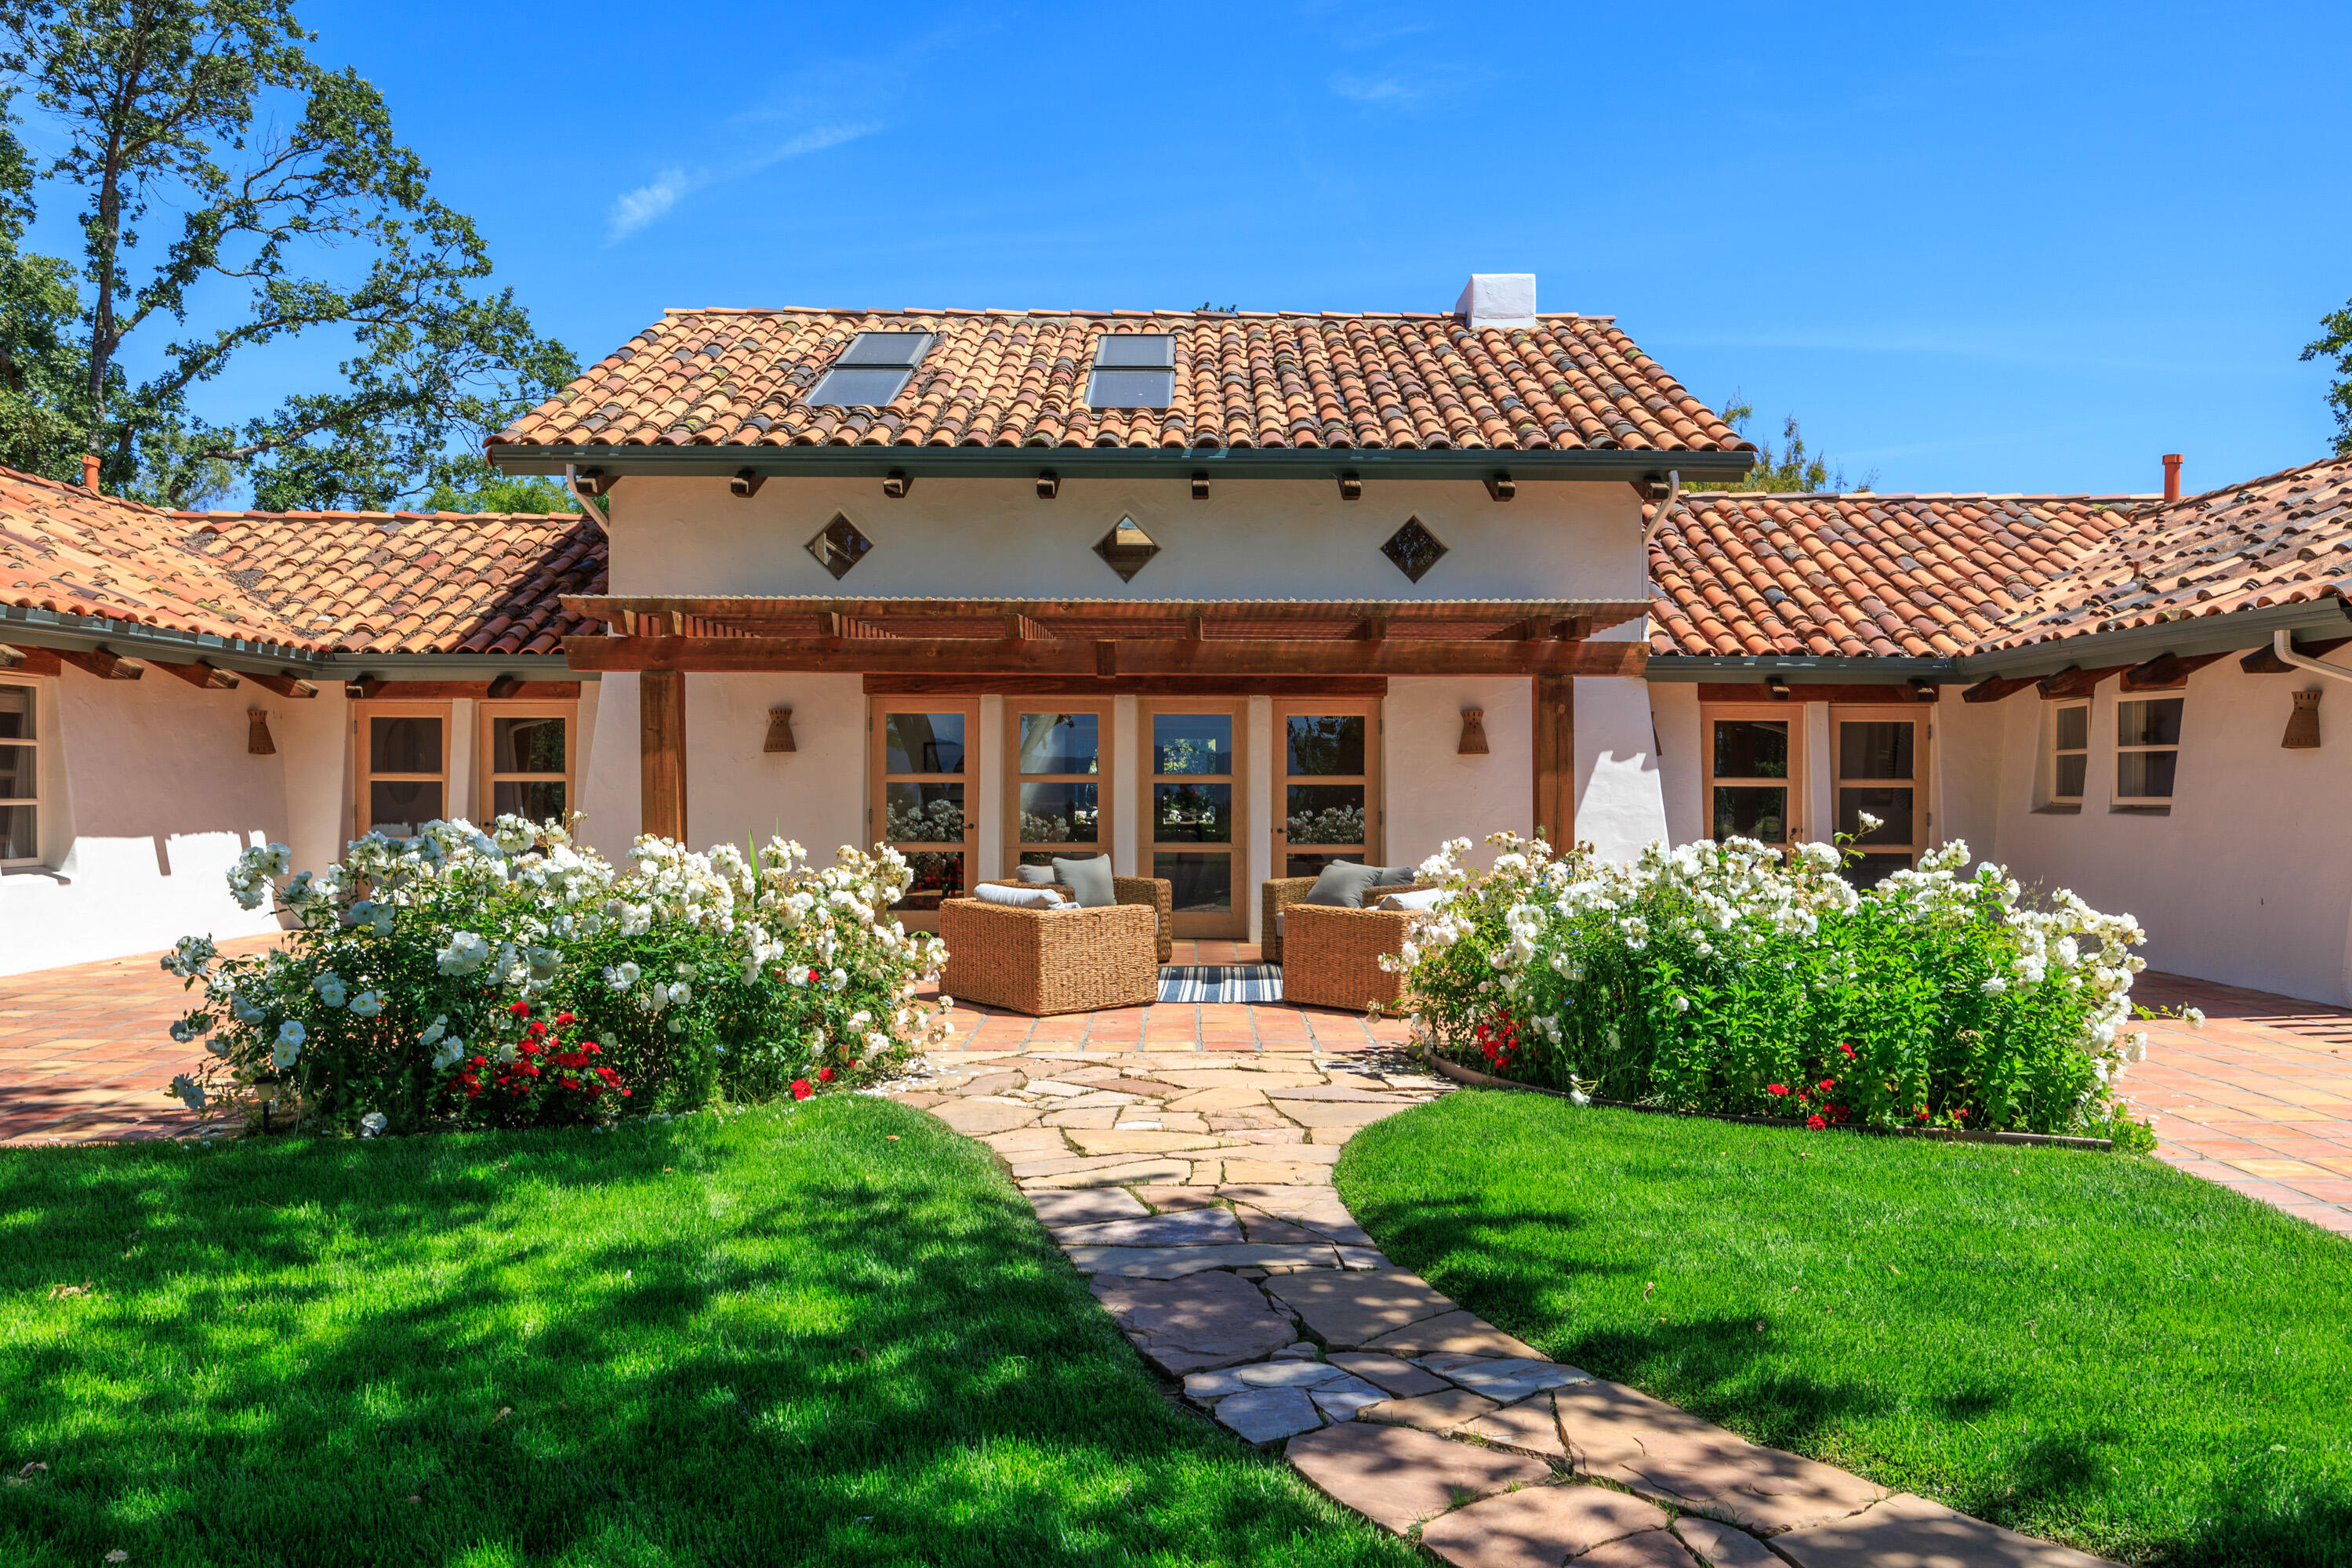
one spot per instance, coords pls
(1729, 978)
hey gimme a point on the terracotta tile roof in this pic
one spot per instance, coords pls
(2280, 540)
(1861, 576)
(412, 582)
(998, 378)
(71, 550)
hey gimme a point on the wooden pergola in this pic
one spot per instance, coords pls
(1100, 648)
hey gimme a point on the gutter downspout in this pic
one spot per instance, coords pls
(1666, 506)
(2283, 649)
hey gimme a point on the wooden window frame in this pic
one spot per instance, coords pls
(35, 742)
(2052, 752)
(1923, 725)
(1793, 816)
(1105, 778)
(1375, 804)
(363, 740)
(1196, 925)
(879, 780)
(2122, 750)
(486, 774)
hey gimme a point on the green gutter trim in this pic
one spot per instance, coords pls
(1802, 669)
(1121, 462)
(46, 629)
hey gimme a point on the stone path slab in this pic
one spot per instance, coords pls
(1200, 1203)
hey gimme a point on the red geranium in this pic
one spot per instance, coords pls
(1776, 1089)
(1815, 1122)
(824, 1075)
(801, 1089)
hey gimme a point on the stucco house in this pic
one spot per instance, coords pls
(1223, 595)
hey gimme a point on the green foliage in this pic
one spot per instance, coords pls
(819, 1335)
(1723, 978)
(468, 484)
(1793, 468)
(2091, 1348)
(2335, 342)
(270, 177)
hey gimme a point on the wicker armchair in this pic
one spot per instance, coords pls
(1152, 891)
(1041, 962)
(1286, 893)
(1333, 955)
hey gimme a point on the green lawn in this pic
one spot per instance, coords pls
(2089, 1347)
(779, 1337)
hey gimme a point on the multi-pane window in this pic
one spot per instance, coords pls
(872, 369)
(2070, 751)
(1749, 777)
(20, 778)
(1062, 781)
(1331, 810)
(920, 771)
(1133, 369)
(529, 771)
(403, 767)
(1879, 757)
(2147, 750)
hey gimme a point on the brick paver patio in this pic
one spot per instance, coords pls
(2259, 1100)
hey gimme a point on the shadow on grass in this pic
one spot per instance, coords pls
(784, 1338)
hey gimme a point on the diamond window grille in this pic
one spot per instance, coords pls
(1413, 549)
(838, 546)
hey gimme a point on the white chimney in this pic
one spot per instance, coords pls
(1498, 299)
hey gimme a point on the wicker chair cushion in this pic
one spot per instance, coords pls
(1089, 878)
(1034, 875)
(1342, 885)
(1419, 899)
(1398, 876)
(1019, 897)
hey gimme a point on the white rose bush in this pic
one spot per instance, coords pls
(513, 977)
(1735, 978)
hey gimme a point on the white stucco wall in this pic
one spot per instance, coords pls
(1264, 539)
(1433, 792)
(1682, 767)
(147, 797)
(1621, 800)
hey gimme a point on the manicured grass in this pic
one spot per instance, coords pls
(2088, 1347)
(778, 1337)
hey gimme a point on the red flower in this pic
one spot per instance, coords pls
(801, 1089)
(1776, 1089)
(1815, 1122)
(520, 1009)
(1828, 1084)
(568, 1018)
(824, 1075)
(815, 977)
(1847, 1047)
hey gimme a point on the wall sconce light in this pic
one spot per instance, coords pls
(2303, 724)
(257, 742)
(1473, 733)
(780, 729)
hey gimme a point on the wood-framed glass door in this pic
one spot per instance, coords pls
(1059, 788)
(525, 760)
(1327, 805)
(1755, 773)
(924, 761)
(403, 765)
(1193, 795)
(1881, 757)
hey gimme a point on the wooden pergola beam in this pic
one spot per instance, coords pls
(1992, 688)
(2075, 681)
(28, 660)
(1217, 655)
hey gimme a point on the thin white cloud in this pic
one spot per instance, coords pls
(633, 210)
(1382, 90)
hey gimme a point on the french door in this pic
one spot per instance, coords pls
(1061, 794)
(1881, 756)
(925, 752)
(1192, 794)
(1328, 795)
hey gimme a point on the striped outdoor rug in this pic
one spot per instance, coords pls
(1221, 982)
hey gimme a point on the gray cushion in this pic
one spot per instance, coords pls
(1089, 880)
(1020, 898)
(1341, 886)
(1034, 875)
(1397, 875)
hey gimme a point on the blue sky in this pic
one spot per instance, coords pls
(1981, 247)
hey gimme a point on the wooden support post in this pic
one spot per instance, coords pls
(1555, 738)
(661, 752)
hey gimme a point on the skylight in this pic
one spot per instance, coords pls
(1133, 369)
(873, 370)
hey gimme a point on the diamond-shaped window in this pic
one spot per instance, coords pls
(1413, 549)
(839, 546)
(1127, 548)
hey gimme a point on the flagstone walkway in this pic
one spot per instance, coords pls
(1196, 1195)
